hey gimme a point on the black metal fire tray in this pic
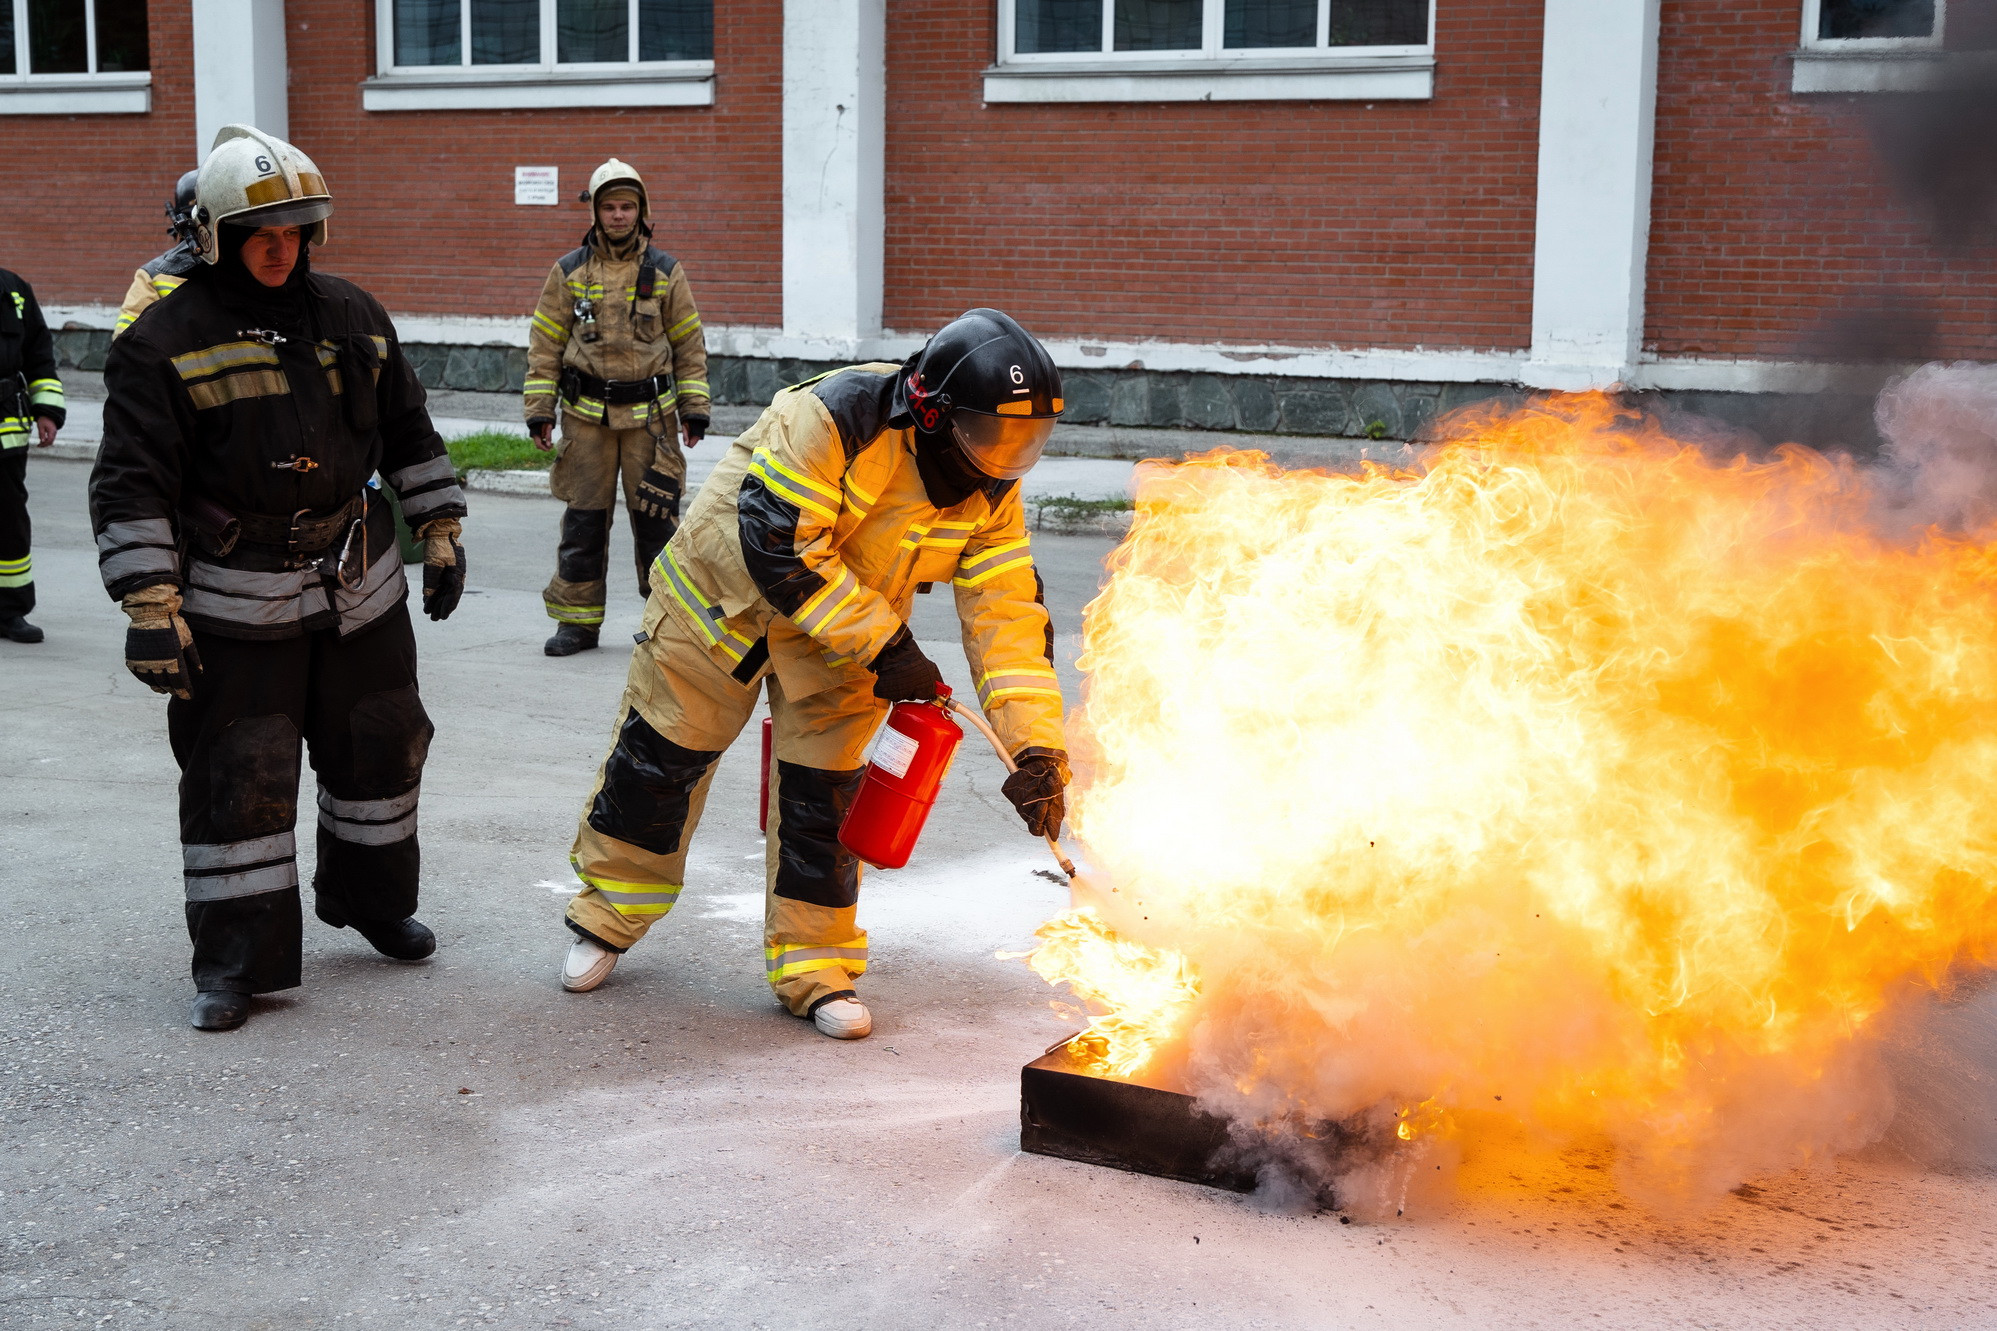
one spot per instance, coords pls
(1071, 1113)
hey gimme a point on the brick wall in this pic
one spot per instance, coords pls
(1390, 225)
(425, 215)
(1774, 231)
(85, 194)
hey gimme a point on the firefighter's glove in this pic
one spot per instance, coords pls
(1038, 789)
(159, 647)
(658, 493)
(695, 428)
(902, 673)
(443, 566)
(543, 431)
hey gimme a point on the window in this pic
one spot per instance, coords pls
(1116, 50)
(439, 54)
(1869, 45)
(69, 57)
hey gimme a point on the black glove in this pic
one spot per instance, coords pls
(542, 428)
(658, 492)
(1036, 790)
(902, 673)
(695, 427)
(443, 567)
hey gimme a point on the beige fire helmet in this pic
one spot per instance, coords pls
(254, 180)
(614, 172)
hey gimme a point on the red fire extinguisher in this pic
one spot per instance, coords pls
(911, 755)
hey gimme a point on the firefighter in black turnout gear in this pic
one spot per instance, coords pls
(31, 411)
(236, 521)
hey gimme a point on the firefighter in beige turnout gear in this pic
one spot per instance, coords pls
(617, 340)
(794, 574)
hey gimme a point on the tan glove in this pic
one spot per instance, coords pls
(159, 647)
(443, 566)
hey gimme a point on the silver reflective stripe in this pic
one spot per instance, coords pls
(143, 531)
(369, 834)
(228, 886)
(245, 596)
(415, 506)
(248, 582)
(145, 559)
(370, 811)
(230, 854)
(617, 898)
(436, 469)
(250, 610)
(382, 590)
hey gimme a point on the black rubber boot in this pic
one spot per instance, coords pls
(570, 639)
(405, 940)
(220, 1010)
(15, 628)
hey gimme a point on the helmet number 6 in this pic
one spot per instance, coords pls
(264, 166)
(1018, 375)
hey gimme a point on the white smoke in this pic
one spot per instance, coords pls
(1939, 466)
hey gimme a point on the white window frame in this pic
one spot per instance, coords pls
(546, 83)
(1211, 72)
(124, 92)
(1866, 64)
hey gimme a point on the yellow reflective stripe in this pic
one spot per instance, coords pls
(706, 616)
(224, 356)
(915, 537)
(697, 387)
(575, 614)
(538, 386)
(165, 283)
(815, 613)
(549, 327)
(45, 392)
(686, 325)
(588, 406)
(17, 572)
(593, 290)
(636, 898)
(800, 490)
(1018, 682)
(237, 387)
(990, 563)
(797, 958)
(124, 321)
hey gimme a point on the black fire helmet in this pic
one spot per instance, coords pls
(992, 385)
(180, 208)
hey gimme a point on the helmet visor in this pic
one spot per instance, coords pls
(1002, 447)
(291, 212)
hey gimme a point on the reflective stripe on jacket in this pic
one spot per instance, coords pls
(152, 283)
(637, 337)
(809, 539)
(27, 349)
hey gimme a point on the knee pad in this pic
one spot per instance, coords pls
(584, 554)
(253, 777)
(391, 737)
(811, 864)
(648, 785)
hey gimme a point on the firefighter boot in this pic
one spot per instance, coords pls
(589, 964)
(16, 628)
(843, 1017)
(405, 940)
(220, 1010)
(570, 639)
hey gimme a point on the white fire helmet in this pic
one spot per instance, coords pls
(254, 180)
(614, 172)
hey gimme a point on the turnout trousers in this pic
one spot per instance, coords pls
(680, 711)
(352, 704)
(17, 569)
(585, 477)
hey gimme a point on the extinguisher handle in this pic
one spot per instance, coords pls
(998, 747)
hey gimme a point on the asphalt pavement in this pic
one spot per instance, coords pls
(459, 1143)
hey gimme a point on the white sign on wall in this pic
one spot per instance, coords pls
(537, 185)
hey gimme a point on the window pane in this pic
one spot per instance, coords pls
(426, 32)
(56, 41)
(1158, 25)
(676, 29)
(1379, 22)
(506, 32)
(7, 40)
(1270, 23)
(1041, 26)
(592, 30)
(1876, 18)
(121, 35)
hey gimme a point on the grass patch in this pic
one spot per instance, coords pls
(1073, 508)
(496, 450)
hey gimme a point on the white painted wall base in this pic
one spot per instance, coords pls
(239, 69)
(835, 148)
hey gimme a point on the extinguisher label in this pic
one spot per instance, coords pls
(894, 751)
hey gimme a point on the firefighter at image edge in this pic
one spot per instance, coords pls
(160, 275)
(617, 339)
(794, 572)
(31, 411)
(236, 521)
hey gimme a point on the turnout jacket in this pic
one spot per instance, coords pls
(809, 539)
(155, 281)
(28, 383)
(211, 417)
(645, 325)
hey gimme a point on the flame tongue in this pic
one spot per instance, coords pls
(1575, 770)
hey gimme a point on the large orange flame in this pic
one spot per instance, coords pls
(1572, 779)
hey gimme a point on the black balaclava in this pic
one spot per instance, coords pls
(284, 308)
(948, 477)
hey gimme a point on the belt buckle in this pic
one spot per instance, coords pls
(292, 539)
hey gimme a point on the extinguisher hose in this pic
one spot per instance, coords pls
(971, 715)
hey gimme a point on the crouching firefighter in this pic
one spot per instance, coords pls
(617, 338)
(236, 522)
(794, 574)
